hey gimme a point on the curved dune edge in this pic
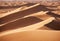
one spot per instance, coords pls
(34, 14)
(31, 27)
(19, 9)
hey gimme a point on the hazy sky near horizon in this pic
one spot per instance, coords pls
(29, 0)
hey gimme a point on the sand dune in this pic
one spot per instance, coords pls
(30, 22)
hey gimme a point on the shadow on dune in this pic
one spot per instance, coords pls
(52, 14)
(54, 24)
(20, 23)
(23, 13)
(7, 7)
(27, 21)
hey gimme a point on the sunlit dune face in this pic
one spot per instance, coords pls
(37, 35)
